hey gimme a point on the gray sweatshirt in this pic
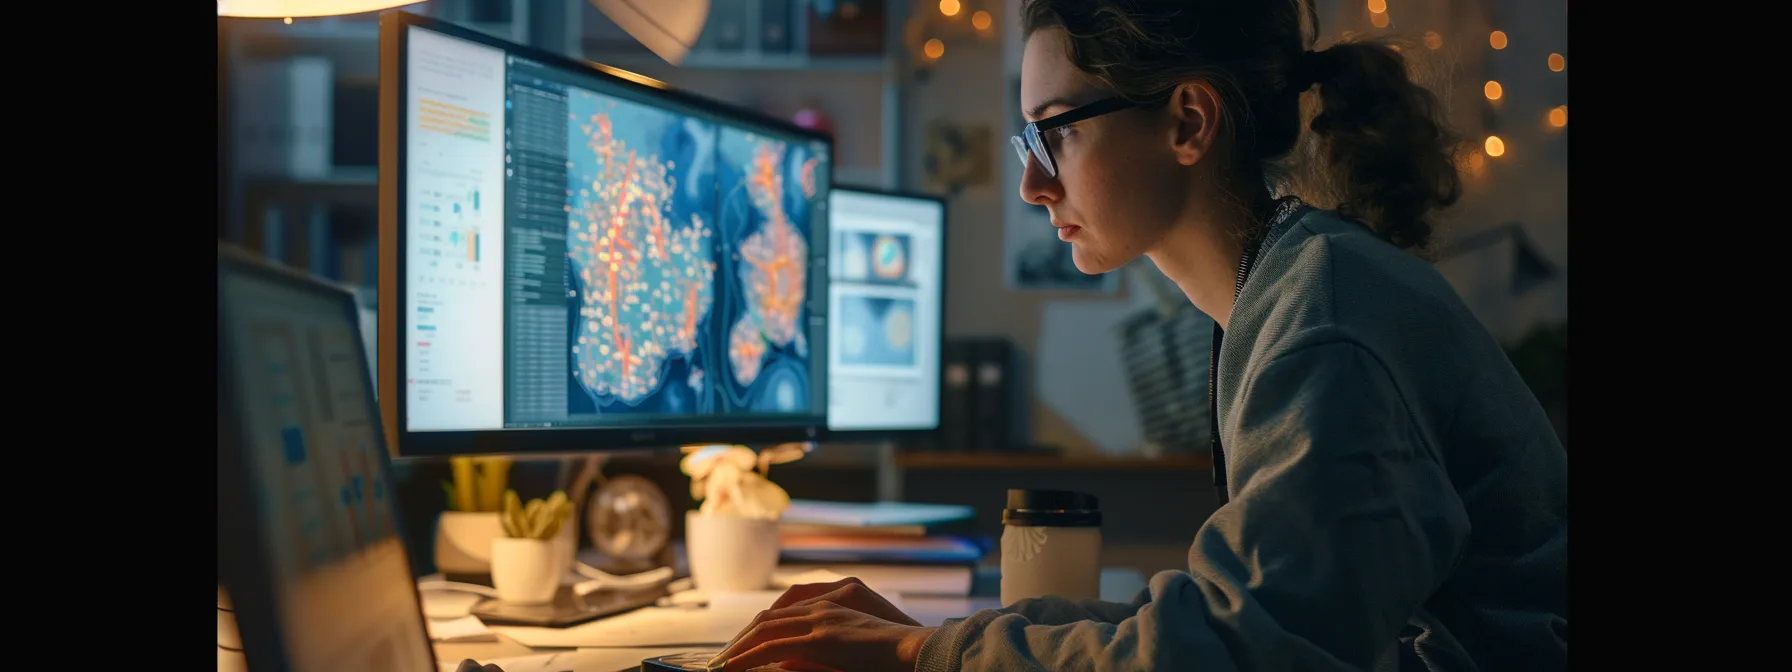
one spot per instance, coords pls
(1395, 489)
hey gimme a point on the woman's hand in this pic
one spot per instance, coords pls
(841, 625)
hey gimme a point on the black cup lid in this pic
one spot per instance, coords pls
(1051, 500)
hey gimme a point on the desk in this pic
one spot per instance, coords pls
(1117, 585)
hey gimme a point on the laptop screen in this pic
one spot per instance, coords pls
(342, 591)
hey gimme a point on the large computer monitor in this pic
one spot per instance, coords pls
(309, 545)
(886, 312)
(578, 258)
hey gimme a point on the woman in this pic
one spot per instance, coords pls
(1395, 493)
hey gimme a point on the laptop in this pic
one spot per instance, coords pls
(308, 537)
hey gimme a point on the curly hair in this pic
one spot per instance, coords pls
(1380, 150)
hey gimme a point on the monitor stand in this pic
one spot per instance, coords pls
(889, 473)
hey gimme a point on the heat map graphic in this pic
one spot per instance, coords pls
(877, 330)
(767, 186)
(642, 249)
(889, 258)
(874, 258)
(774, 261)
(687, 250)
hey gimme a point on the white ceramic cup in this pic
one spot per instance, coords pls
(730, 554)
(1051, 545)
(526, 571)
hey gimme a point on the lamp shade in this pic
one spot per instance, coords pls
(668, 28)
(281, 9)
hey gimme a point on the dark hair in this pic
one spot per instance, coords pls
(1380, 150)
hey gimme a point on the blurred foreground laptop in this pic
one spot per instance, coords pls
(308, 540)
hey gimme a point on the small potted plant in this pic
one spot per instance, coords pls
(527, 564)
(731, 538)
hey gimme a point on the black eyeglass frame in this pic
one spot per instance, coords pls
(1031, 143)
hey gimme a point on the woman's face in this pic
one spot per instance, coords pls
(1119, 186)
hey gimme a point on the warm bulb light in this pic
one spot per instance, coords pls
(934, 48)
(1433, 40)
(1556, 62)
(1497, 39)
(1495, 146)
(949, 7)
(980, 20)
(1378, 6)
(1493, 90)
(1558, 116)
(1379, 19)
(288, 20)
(287, 9)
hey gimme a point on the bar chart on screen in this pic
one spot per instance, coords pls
(449, 119)
(451, 227)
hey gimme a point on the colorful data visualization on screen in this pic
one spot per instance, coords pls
(688, 257)
(654, 263)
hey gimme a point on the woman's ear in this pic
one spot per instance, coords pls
(1195, 108)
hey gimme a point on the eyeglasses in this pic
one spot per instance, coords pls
(1030, 143)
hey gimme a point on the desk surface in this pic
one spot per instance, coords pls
(1117, 585)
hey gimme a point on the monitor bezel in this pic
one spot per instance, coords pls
(394, 43)
(903, 435)
(243, 565)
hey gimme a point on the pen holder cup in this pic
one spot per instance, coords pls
(730, 553)
(526, 571)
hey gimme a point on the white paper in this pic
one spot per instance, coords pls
(651, 626)
(448, 604)
(463, 629)
(595, 660)
(725, 615)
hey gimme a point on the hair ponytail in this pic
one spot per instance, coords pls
(1382, 151)
(1379, 151)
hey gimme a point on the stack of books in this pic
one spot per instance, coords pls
(905, 549)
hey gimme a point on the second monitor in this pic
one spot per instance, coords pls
(887, 310)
